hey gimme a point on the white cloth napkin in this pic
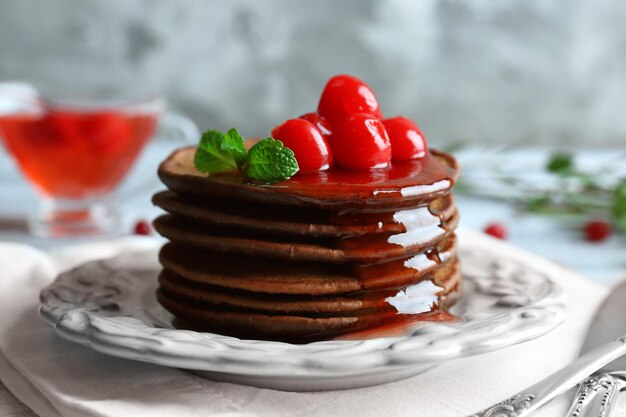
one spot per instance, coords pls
(58, 378)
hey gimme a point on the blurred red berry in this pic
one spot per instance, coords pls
(142, 227)
(597, 230)
(496, 230)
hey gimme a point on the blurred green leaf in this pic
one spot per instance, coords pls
(561, 163)
(619, 206)
(538, 204)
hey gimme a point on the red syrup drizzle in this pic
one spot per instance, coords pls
(404, 309)
(409, 307)
(401, 324)
(408, 180)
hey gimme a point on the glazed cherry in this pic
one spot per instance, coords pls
(307, 143)
(360, 143)
(345, 95)
(320, 122)
(407, 140)
(496, 230)
(597, 230)
(142, 227)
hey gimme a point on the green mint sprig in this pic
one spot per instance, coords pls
(582, 194)
(591, 198)
(267, 161)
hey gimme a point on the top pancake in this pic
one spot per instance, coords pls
(404, 184)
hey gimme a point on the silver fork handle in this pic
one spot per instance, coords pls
(595, 396)
(533, 397)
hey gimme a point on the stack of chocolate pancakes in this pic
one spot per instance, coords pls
(311, 258)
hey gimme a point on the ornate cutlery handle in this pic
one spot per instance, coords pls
(595, 396)
(533, 397)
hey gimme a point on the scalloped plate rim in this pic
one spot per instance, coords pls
(322, 366)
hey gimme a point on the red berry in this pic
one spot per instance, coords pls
(307, 143)
(345, 95)
(407, 140)
(360, 142)
(597, 230)
(496, 230)
(142, 227)
(319, 122)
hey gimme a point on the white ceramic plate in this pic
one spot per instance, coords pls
(110, 306)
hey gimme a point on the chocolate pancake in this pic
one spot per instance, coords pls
(302, 327)
(367, 249)
(295, 220)
(259, 274)
(407, 184)
(353, 303)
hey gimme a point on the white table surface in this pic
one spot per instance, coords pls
(604, 262)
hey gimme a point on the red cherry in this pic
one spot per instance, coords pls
(142, 227)
(496, 230)
(319, 122)
(597, 230)
(360, 142)
(307, 143)
(345, 95)
(407, 140)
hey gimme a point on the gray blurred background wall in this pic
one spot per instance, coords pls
(524, 71)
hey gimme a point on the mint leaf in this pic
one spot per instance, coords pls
(219, 152)
(270, 161)
(234, 144)
(619, 206)
(560, 163)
